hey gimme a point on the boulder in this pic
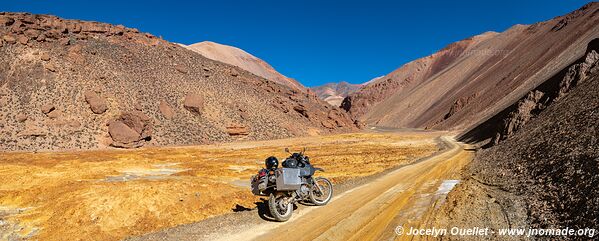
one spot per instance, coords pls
(117, 30)
(131, 129)
(47, 108)
(166, 110)
(17, 27)
(32, 33)
(234, 73)
(96, 103)
(50, 67)
(51, 23)
(29, 19)
(21, 117)
(138, 106)
(32, 130)
(64, 41)
(181, 69)
(243, 114)
(41, 37)
(55, 114)
(45, 56)
(74, 124)
(53, 34)
(6, 21)
(122, 135)
(138, 121)
(9, 39)
(237, 130)
(194, 103)
(22, 39)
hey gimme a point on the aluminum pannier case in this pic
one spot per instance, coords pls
(288, 179)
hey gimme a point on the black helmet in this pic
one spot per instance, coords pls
(271, 162)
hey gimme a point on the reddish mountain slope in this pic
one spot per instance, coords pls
(473, 79)
(409, 75)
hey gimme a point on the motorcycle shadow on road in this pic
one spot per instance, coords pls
(262, 208)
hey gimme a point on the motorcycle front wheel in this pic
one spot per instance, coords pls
(279, 208)
(321, 192)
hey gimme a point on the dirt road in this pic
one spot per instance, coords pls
(374, 210)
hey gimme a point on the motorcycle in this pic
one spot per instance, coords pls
(290, 184)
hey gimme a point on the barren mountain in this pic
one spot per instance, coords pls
(334, 93)
(471, 80)
(242, 59)
(67, 84)
(544, 174)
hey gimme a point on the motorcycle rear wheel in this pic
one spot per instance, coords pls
(278, 209)
(321, 196)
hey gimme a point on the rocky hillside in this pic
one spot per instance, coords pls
(334, 93)
(67, 84)
(544, 173)
(242, 59)
(510, 120)
(471, 80)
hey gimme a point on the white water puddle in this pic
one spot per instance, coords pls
(445, 187)
(158, 172)
(10, 229)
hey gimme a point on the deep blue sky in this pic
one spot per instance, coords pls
(313, 41)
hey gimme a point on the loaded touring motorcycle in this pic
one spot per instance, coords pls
(292, 183)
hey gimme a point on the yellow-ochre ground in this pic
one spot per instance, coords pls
(111, 194)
